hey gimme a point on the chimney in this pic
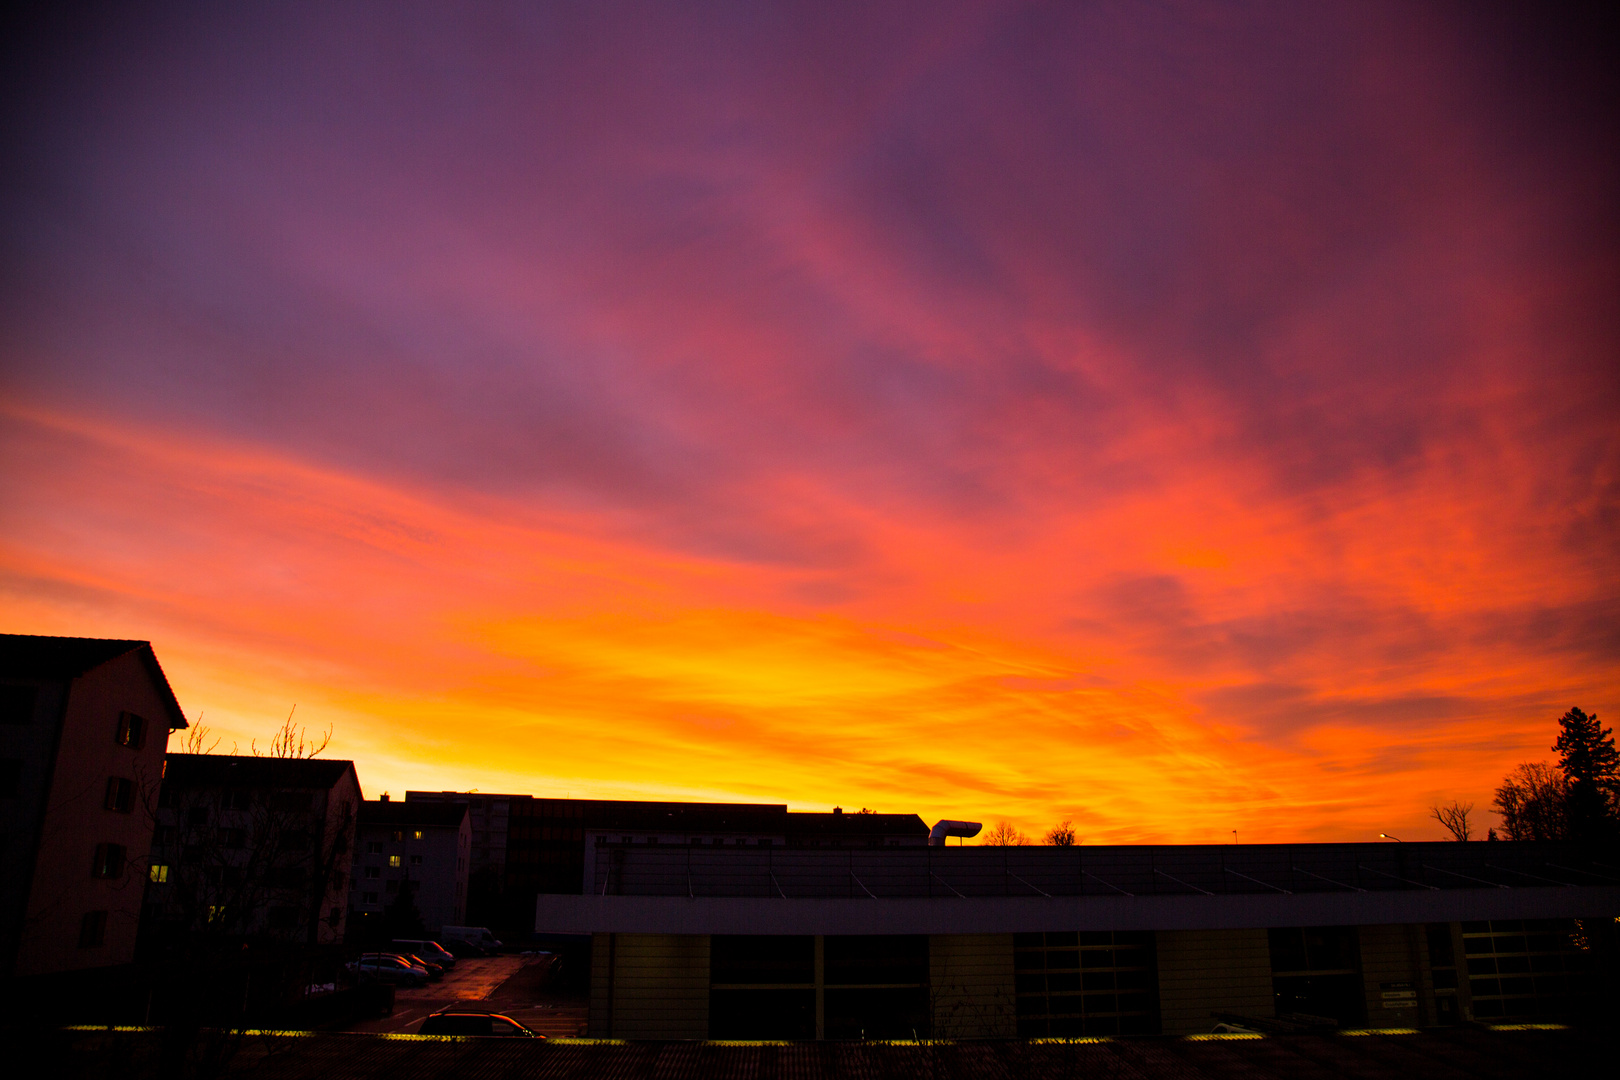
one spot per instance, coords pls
(384, 797)
(838, 811)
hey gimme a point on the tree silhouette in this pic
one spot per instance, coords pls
(1005, 834)
(1454, 818)
(1589, 760)
(1061, 834)
(1533, 803)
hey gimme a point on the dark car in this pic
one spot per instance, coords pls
(456, 1021)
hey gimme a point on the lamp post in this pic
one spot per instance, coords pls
(1397, 839)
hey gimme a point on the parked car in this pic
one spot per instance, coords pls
(474, 935)
(428, 950)
(388, 967)
(435, 971)
(463, 950)
(462, 1021)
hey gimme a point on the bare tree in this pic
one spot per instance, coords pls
(1061, 834)
(289, 741)
(1533, 801)
(1454, 817)
(1005, 834)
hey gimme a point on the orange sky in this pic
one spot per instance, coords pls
(1173, 426)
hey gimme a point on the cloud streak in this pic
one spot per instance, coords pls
(1181, 420)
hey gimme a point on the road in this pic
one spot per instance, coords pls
(514, 985)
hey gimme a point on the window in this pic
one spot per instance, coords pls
(108, 861)
(10, 777)
(373, 847)
(131, 730)
(159, 873)
(1535, 969)
(17, 704)
(762, 987)
(197, 815)
(236, 799)
(391, 886)
(1085, 984)
(393, 860)
(368, 898)
(163, 835)
(398, 836)
(92, 930)
(416, 860)
(373, 873)
(233, 838)
(1316, 971)
(417, 835)
(120, 794)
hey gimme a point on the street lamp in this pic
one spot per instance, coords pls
(1397, 839)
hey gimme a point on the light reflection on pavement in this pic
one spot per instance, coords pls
(489, 981)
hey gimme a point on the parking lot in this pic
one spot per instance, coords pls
(518, 986)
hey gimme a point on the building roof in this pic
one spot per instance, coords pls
(843, 824)
(686, 817)
(921, 872)
(432, 815)
(230, 770)
(29, 656)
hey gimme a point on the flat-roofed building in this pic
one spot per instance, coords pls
(725, 941)
(419, 849)
(84, 723)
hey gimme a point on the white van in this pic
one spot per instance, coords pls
(472, 935)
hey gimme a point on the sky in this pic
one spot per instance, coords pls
(1197, 421)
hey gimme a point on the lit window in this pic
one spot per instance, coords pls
(393, 860)
(418, 835)
(398, 835)
(159, 873)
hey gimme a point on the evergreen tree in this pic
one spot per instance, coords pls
(1591, 763)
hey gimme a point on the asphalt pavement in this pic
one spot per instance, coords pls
(518, 986)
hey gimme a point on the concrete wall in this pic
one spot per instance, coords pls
(649, 986)
(76, 820)
(1206, 971)
(971, 987)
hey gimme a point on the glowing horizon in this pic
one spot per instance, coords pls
(1177, 425)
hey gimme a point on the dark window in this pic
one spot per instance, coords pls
(374, 847)
(373, 872)
(108, 861)
(875, 960)
(233, 838)
(1083, 984)
(1316, 973)
(17, 704)
(762, 1014)
(368, 898)
(197, 815)
(1535, 969)
(131, 730)
(92, 929)
(762, 959)
(10, 777)
(290, 800)
(236, 799)
(397, 836)
(120, 794)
